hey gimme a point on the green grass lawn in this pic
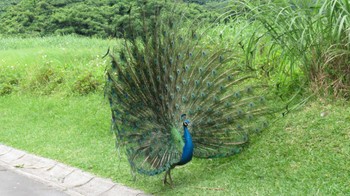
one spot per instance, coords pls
(303, 153)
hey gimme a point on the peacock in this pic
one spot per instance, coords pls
(176, 94)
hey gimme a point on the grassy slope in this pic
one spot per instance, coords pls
(64, 58)
(303, 153)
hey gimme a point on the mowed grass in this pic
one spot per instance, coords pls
(303, 153)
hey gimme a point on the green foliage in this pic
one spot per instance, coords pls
(310, 39)
(86, 84)
(105, 18)
(52, 65)
(8, 84)
(7, 3)
(46, 80)
(202, 2)
(44, 17)
(9, 79)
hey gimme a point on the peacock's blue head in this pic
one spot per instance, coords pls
(186, 122)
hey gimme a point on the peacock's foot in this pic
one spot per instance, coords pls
(168, 183)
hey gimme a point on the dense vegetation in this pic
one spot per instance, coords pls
(105, 18)
(5, 4)
(311, 41)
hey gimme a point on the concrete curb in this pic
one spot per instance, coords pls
(68, 179)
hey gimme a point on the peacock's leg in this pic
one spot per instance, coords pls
(171, 180)
(165, 181)
(165, 177)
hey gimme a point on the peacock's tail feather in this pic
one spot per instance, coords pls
(170, 69)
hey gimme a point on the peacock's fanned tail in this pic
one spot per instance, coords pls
(170, 69)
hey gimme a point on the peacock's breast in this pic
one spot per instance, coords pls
(187, 152)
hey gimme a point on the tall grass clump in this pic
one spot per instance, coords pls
(311, 39)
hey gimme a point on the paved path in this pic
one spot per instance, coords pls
(46, 176)
(13, 184)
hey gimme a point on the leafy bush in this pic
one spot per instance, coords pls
(7, 84)
(86, 84)
(5, 4)
(105, 18)
(46, 80)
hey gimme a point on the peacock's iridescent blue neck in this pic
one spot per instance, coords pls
(187, 151)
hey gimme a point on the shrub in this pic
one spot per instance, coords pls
(86, 84)
(8, 83)
(46, 80)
